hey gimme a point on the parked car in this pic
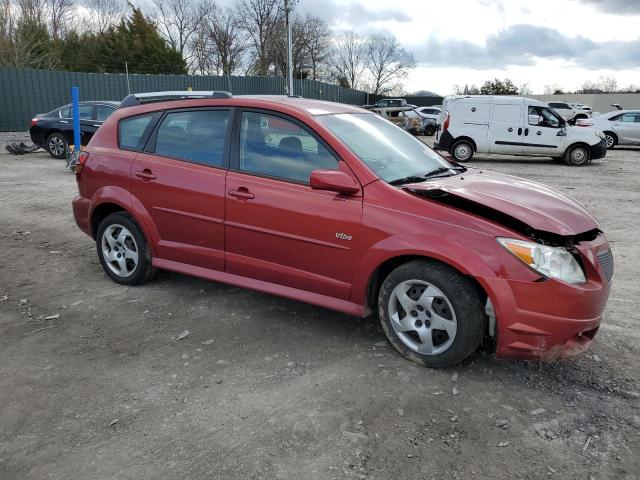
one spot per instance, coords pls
(408, 119)
(389, 103)
(53, 131)
(324, 203)
(568, 111)
(433, 115)
(511, 125)
(621, 127)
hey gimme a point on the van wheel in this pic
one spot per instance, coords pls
(577, 156)
(123, 251)
(611, 139)
(431, 314)
(57, 145)
(462, 151)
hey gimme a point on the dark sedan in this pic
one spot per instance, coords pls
(53, 131)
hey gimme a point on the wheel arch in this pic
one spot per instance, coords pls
(380, 273)
(468, 139)
(109, 200)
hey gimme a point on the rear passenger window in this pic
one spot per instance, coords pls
(196, 135)
(276, 147)
(131, 132)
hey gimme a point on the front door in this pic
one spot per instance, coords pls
(540, 136)
(278, 229)
(629, 127)
(505, 128)
(180, 181)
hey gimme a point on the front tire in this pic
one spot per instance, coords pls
(611, 139)
(123, 251)
(57, 145)
(431, 314)
(577, 155)
(462, 151)
(430, 130)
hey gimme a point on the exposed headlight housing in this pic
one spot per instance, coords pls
(552, 262)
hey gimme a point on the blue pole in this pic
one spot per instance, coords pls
(75, 96)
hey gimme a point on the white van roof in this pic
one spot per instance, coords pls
(503, 99)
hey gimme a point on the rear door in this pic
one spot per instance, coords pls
(540, 134)
(180, 181)
(506, 127)
(278, 229)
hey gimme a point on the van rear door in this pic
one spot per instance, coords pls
(506, 126)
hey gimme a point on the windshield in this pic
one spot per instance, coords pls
(388, 150)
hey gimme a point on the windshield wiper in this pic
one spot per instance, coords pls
(409, 179)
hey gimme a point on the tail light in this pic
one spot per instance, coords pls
(34, 121)
(445, 124)
(82, 160)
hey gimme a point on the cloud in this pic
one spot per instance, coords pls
(615, 7)
(355, 14)
(522, 45)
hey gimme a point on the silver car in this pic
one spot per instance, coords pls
(621, 127)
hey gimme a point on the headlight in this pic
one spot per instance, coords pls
(552, 262)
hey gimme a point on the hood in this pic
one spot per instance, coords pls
(533, 204)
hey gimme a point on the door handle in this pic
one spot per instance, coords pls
(510, 129)
(538, 132)
(526, 132)
(146, 174)
(241, 193)
(520, 131)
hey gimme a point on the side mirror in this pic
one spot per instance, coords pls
(333, 181)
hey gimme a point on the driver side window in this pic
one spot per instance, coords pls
(543, 117)
(273, 146)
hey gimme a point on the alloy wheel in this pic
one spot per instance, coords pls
(56, 146)
(119, 250)
(422, 317)
(610, 141)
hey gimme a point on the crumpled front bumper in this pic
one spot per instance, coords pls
(550, 319)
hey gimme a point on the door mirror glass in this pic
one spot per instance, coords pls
(333, 181)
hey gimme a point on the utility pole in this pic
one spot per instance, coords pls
(287, 10)
(126, 69)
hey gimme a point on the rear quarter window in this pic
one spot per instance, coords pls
(132, 132)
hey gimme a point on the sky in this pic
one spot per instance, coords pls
(538, 42)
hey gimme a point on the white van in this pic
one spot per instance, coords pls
(513, 125)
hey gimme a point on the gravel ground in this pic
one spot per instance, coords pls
(95, 384)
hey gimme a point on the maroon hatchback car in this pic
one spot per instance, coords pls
(333, 205)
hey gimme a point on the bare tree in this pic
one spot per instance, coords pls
(387, 62)
(349, 59)
(228, 42)
(608, 84)
(6, 31)
(318, 44)
(201, 58)
(104, 14)
(524, 89)
(261, 21)
(60, 14)
(178, 20)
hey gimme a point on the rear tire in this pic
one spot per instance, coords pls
(57, 145)
(123, 251)
(611, 139)
(444, 318)
(577, 155)
(462, 151)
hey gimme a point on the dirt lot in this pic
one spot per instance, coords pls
(94, 383)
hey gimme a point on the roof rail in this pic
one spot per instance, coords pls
(139, 98)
